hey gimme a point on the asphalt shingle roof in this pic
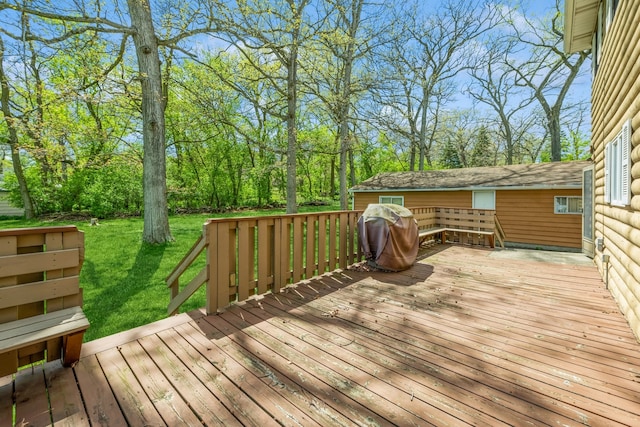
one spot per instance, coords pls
(538, 175)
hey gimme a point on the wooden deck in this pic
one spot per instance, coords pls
(463, 337)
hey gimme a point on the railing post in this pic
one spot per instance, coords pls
(210, 233)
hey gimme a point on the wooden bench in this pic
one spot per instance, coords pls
(436, 232)
(469, 226)
(41, 316)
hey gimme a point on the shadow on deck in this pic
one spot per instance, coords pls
(463, 337)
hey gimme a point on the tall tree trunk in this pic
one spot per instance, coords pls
(352, 169)
(412, 153)
(423, 126)
(156, 215)
(345, 99)
(332, 178)
(344, 148)
(508, 136)
(29, 211)
(292, 139)
(27, 201)
(555, 133)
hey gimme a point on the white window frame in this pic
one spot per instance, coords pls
(600, 29)
(396, 200)
(612, 5)
(617, 168)
(594, 55)
(558, 203)
(483, 192)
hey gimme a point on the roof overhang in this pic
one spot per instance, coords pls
(580, 19)
(471, 188)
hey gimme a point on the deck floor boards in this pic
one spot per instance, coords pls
(464, 337)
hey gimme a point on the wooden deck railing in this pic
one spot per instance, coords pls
(252, 256)
(245, 257)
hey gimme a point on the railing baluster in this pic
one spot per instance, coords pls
(344, 218)
(322, 243)
(311, 247)
(245, 259)
(265, 255)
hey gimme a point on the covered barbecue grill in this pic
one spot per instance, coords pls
(388, 236)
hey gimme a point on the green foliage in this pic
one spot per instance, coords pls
(449, 157)
(575, 146)
(380, 155)
(43, 197)
(483, 152)
(113, 189)
(78, 103)
(314, 160)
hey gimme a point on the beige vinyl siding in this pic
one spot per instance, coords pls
(615, 99)
(526, 216)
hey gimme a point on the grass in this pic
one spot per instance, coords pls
(123, 279)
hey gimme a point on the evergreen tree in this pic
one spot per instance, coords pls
(482, 153)
(449, 157)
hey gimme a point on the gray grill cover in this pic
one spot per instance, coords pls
(388, 236)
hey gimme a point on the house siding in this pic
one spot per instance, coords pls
(452, 199)
(615, 99)
(5, 206)
(527, 216)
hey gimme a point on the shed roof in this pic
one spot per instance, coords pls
(560, 175)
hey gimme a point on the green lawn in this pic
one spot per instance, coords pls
(123, 280)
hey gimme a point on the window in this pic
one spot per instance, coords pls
(484, 200)
(396, 200)
(612, 5)
(568, 205)
(606, 13)
(617, 168)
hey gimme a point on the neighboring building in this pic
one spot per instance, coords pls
(610, 29)
(538, 205)
(6, 209)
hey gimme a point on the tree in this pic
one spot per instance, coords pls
(459, 132)
(13, 139)
(576, 145)
(547, 71)
(156, 212)
(449, 157)
(96, 18)
(278, 29)
(436, 49)
(483, 152)
(494, 85)
(336, 75)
